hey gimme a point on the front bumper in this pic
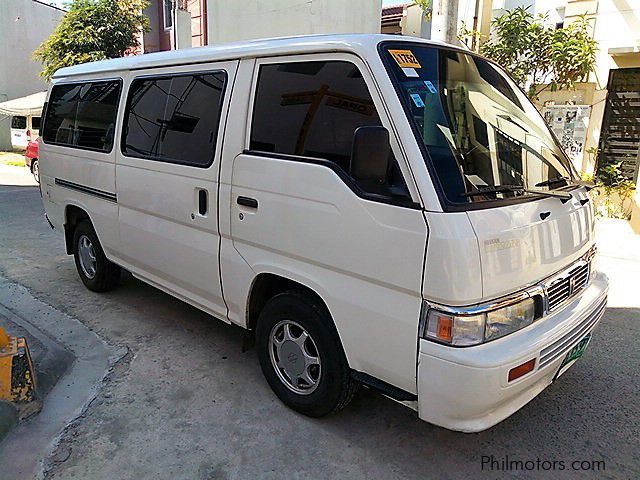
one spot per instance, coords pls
(467, 389)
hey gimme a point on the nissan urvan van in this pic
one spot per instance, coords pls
(375, 210)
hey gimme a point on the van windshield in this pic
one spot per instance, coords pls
(484, 139)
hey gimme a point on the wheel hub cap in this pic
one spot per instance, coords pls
(292, 359)
(294, 356)
(87, 256)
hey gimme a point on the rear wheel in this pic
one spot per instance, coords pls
(35, 170)
(96, 272)
(301, 355)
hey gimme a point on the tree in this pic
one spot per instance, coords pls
(425, 6)
(539, 56)
(93, 30)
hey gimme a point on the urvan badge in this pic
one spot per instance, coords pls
(494, 244)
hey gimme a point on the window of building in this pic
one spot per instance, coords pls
(174, 119)
(312, 109)
(167, 13)
(83, 115)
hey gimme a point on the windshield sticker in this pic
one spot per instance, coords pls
(430, 86)
(405, 58)
(410, 72)
(417, 100)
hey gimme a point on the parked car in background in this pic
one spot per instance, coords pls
(23, 130)
(31, 158)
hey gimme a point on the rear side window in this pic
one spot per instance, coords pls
(19, 122)
(35, 123)
(312, 109)
(174, 119)
(83, 115)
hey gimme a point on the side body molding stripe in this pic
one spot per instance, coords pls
(88, 190)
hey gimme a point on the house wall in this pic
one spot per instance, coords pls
(616, 28)
(24, 25)
(230, 21)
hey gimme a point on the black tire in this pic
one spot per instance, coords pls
(35, 169)
(107, 274)
(335, 388)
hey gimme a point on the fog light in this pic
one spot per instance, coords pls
(520, 370)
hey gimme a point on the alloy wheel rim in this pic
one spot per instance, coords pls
(295, 357)
(87, 256)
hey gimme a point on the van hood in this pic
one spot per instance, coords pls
(521, 244)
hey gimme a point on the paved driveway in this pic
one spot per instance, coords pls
(186, 403)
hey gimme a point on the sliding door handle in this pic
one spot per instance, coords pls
(247, 202)
(203, 202)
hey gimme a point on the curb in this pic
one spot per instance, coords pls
(69, 397)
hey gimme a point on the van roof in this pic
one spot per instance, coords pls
(356, 43)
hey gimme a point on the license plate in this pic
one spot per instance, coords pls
(572, 355)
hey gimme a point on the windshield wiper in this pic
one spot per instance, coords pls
(554, 181)
(517, 188)
(494, 189)
(567, 181)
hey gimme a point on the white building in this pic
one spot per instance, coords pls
(554, 10)
(24, 25)
(229, 21)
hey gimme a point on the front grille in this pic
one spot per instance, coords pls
(567, 285)
(561, 347)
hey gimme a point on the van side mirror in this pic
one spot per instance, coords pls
(370, 154)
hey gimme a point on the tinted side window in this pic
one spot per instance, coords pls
(35, 123)
(19, 122)
(82, 115)
(174, 119)
(312, 109)
(96, 116)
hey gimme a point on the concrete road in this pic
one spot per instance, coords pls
(186, 403)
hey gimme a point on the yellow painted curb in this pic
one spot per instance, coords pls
(17, 378)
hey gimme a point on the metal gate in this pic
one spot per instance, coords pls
(620, 136)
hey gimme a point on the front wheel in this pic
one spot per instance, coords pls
(96, 272)
(301, 356)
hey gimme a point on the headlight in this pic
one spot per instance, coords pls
(466, 330)
(509, 319)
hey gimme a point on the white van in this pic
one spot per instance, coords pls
(375, 210)
(23, 129)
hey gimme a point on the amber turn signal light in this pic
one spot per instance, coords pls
(520, 370)
(445, 328)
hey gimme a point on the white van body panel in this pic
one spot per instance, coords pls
(237, 276)
(309, 225)
(312, 228)
(61, 168)
(454, 276)
(519, 247)
(467, 389)
(158, 213)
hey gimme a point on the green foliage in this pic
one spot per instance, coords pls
(93, 30)
(614, 192)
(539, 56)
(425, 5)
